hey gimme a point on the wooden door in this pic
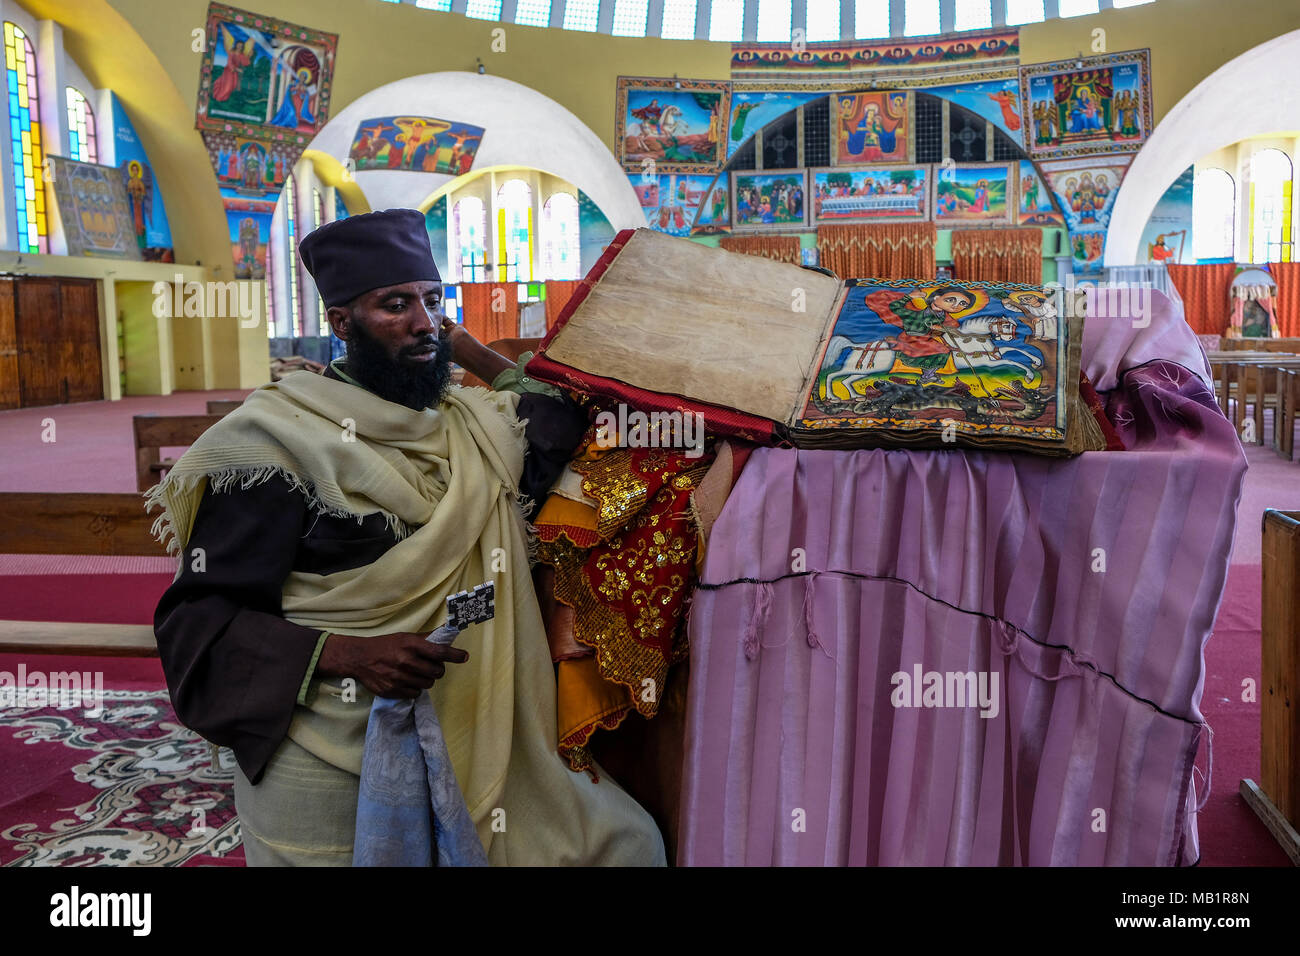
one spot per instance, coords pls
(10, 393)
(57, 324)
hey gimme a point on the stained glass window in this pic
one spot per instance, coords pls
(290, 201)
(483, 9)
(973, 15)
(1270, 206)
(726, 20)
(773, 21)
(560, 249)
(1214, 219)
(533, 13)
(515, 232)
(1024, 11)
(83, 144)
(1076, 8)
(679, 20)
(469, 229)
(870, 19)
(28, 143)
(443, 5)
(921, 18)
(581, 15)
(630, 18)
(823, 20)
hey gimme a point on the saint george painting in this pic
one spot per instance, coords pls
(95, 209)
(871, 194)
(981, 358)
(974, 194)
(415, 143)
(264, 78)
(873, 128)
(769, 200)
(672, 126)
(1096, 104)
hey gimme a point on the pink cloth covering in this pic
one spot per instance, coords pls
(1086, 587)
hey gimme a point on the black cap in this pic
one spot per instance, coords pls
(351, 256)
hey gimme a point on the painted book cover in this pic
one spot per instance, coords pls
(960, 359)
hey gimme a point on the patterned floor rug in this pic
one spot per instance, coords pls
(127, 786)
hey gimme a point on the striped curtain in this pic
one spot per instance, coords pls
(899, 250)
(780, 248)
(1287, 304)
(1204, 289)
(998, 255)
(480, 319)
(558, 292)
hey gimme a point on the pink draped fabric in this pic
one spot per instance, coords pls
(1086, 587)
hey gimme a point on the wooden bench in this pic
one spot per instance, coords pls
(153, 433)
(1248, 372)
(1276, 798)
(223, 406)
(98, 524)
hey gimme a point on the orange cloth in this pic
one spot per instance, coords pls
(558, 292)
(480, 319)
(998, 255)
(1204, 290)
(778, 248)
(1287, 304)
(898, 250)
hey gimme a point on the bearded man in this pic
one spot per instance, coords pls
(321, 527)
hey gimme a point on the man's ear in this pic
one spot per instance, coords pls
(340, 320)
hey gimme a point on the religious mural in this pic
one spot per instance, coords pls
(1086, 189)
(249, 222)
(750, 112)
(997, 101)
(672, 126)
(1168, 234)
(928, 53)
(770, 199)
(973, 194)
(672, 200)
(1096, 104)
(94, 209)
(153, 234)
(873, 128)
(264, 78)
(415, 143)
(871, 194)
(249, 165)
(1035, 207)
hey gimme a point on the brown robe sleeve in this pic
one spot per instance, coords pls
(234, 665)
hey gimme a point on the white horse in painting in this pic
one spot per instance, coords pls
(975, 343)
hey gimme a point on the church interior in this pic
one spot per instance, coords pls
(933, 497)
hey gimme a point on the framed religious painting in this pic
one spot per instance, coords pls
(871, 194)
(1092, 104)
(670, 125)
(262, 78)
(94, 209)
(972, 194)
(874, 127)
(415, 143)
(770, 200)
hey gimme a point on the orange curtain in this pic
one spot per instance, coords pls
(998, 255)
(481, 320)
(558, 292)
(780, 248)
(899, 250)
(1204, 289)
(1287, 304)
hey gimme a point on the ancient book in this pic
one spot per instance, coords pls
(773, 352)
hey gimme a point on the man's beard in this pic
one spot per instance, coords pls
(417, 385)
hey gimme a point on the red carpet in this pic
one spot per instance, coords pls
(127, 786)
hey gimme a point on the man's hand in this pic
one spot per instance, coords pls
(399, 666)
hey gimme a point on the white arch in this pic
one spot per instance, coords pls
(521, 128)
(1243, 98)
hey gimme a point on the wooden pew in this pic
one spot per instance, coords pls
(1276, 798)
(101, 524)
(223, 406)
(1247, 371)
(153, 433)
